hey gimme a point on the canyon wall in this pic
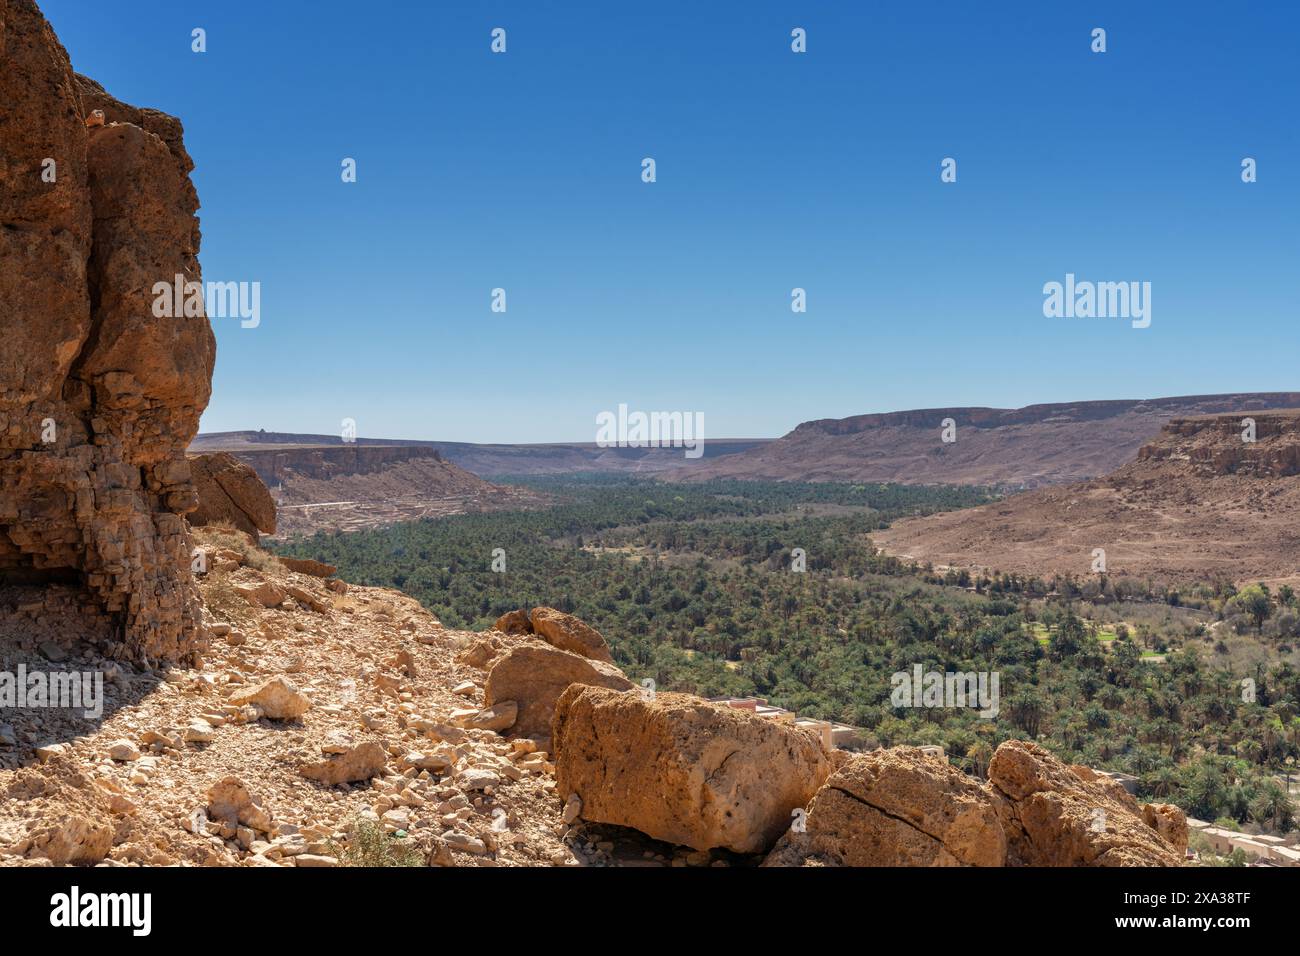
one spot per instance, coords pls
(99, 397)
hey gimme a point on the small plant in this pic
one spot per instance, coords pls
(368, 845)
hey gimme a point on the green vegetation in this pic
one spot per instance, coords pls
(368, 845)
(693, 585)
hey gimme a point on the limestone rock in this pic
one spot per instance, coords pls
(500, 716)
(230, 802)
(317, 569)
(278, 698)
(99, 396)
(1052, 816)
(896, 807)
(570, 634)
(265, 594)
(230, 491)
(681, 769)
(74, 839)
(362, 762)
(1169, 821)
(123, 750)
(514, 622)
(535, 675)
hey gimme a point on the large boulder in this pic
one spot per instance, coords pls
(278, 697)
(681, 769)
(898, 807)
(352, 765)
(230, 491)
(99, 396)
(535, 675)
(569, 634)
(1054, 815)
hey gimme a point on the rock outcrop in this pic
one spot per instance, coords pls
(99, 396)
(230, 491)
(569, 634)
(897, 807)
(681, 769)
(1054, 815)
(900, 807)
(535, 675)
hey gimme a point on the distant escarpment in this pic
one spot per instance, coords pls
(558, 458)
(1014, 449)
(1210, 498)
(99, 397)
(351, 486)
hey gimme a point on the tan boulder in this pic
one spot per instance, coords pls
(1055, 816)
(481, 653)
(361, 762)
(514, 622)
(498, 717)
(1169, 821)
(231, 491)
(317, 569)
(266, 594)
(307, 599)
(278, 697)
(535, 675)
(230, 802)
(74, 839)
(570, 634)
(896, 807)
(681, 769)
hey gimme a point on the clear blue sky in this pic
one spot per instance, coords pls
(775, 170)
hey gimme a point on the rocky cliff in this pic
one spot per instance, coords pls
(99, 397)
(1199, 503)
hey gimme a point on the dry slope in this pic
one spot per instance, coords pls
(1197, 504)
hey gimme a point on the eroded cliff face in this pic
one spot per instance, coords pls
(1259, 444)
(98, 396)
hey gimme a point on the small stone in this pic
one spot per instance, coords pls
(463, 841)
(199, 732)
(572, 808)
(477, 778)
(465, 688)
(50, 751)
(123, 750)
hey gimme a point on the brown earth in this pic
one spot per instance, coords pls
(1197, 504)
(1012, 448)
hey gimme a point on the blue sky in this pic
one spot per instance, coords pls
(775, 170)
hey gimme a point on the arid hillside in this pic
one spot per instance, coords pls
(1198, 503)
(330, 725)
(346, 487)
(1013, 448)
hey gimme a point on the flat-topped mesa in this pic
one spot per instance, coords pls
(99, 397)
(1261, 444)
(274, 465)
